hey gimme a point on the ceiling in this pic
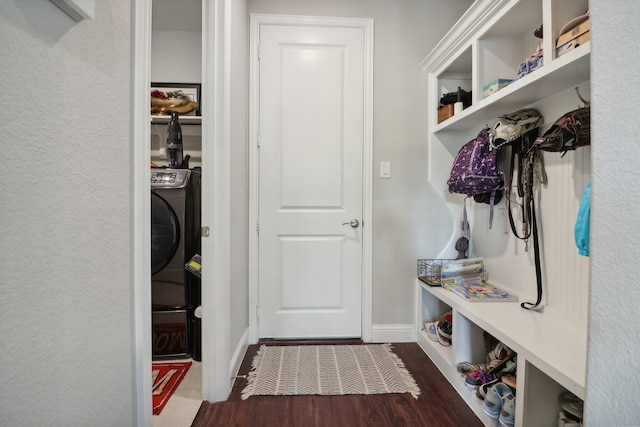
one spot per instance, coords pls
(177, 15)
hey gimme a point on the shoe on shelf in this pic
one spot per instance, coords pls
(572, 405)
(496, 350)
(466, 367)
(506, 365)
(482, 390)
(448, 316)
(444, 335)
(510, 380)
(443, 330)
(495, 398)
(430, 329)
(477, 378)
(508, 413)
(510, 366)
(565, 420)
(498, 353)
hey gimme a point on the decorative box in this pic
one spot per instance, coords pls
(573, 43)
(445, 112)
(494, 86)
(573, 33)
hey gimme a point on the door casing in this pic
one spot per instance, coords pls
(216, 355)
(256, 20)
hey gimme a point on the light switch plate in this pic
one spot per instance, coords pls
(385, 169)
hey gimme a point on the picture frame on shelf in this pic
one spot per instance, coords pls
(190, 90)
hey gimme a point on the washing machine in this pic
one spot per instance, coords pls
(175, 239)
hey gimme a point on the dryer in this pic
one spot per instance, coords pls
(175, 239)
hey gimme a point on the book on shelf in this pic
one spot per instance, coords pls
(466, 278)
(478, 292)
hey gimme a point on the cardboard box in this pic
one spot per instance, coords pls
(574, 33)
(445, 112)
(494, 86)
(573, 43)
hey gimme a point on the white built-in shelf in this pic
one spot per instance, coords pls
(488, 43)
(564, 72)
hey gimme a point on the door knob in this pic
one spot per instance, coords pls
(354, 223)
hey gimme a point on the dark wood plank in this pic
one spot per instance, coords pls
(439, 405)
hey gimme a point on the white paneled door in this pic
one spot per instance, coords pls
(311, 134)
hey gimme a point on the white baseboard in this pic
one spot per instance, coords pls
(238, 356)
(393, 333)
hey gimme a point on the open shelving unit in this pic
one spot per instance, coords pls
(489, 42)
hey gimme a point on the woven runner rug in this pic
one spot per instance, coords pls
(166, 379)
(328, 370)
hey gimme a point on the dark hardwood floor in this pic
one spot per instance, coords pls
(439, 405)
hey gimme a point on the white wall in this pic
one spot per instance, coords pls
(65, 274)
(402, 216)
(176, 57)
(614, 342)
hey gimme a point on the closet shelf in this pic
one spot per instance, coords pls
(184, 120)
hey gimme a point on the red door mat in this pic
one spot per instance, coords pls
(166, 378)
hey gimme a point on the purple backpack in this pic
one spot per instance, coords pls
(475, 172)
(475, 169)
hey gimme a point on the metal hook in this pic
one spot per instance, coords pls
(584, 101)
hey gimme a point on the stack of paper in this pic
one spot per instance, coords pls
(466, 278)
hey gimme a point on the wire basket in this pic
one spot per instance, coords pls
(429, 270)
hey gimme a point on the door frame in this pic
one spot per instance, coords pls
(256, 20)
(216, 355)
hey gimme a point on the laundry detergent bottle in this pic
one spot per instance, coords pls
(174, 142)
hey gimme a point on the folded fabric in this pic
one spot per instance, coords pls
(532, 63)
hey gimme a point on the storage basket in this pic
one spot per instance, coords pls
(445, 112)
(429, 270)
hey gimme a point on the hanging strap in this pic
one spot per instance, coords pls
(530, 225)
(492, 202)
(536, 254)
(526, 228)
(466, 232)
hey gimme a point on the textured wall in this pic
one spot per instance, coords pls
(614, 342)
(65, 270)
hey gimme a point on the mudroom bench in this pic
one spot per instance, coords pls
(551, 352)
